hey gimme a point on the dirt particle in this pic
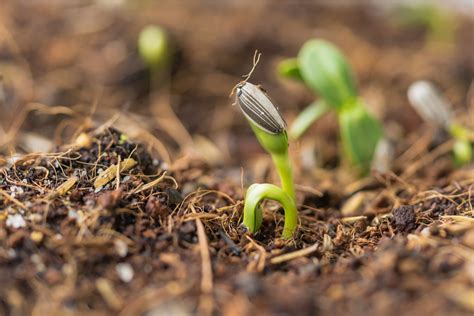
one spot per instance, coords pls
(75, 196)
(156, 208)
(404, 218)
(110, 199)
(361, 225)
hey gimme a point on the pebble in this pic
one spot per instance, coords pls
(15, 221)
(36, 236)
(125, 272)
(121, 247)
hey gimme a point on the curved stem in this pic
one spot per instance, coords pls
(256, 193)
(283, 166)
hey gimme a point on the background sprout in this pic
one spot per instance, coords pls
(440, 25)
(153, 47)
(435, 109)
(289, 68)
(270, 129)
(325, 70)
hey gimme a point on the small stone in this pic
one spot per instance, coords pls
(36, 236)
(404, 218)
(125, 272)
(16, 221)
(121, 247)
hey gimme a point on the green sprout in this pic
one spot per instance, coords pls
(153, 47)
(324, 69)
(435, 109)
(269, 127)
(155, 50)
(439, 24)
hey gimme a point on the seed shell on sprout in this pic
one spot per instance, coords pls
(259, 109)
(429, 103)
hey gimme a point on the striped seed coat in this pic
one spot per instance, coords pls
(259, 109)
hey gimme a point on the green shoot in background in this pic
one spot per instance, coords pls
(431, 105)
(325, 70)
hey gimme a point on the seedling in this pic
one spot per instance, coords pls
(155, 50)
(439, 24)
(324, 69)
(153, 47)
(269, 127)
(435, 109)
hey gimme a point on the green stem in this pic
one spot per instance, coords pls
(307, 117)
(460, 132)
(256, 193)
(283, 166)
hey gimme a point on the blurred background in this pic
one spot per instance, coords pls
(70, 66)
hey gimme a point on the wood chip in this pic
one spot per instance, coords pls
(64, 187)
(111, 172)
(353, 206)
(108, 293)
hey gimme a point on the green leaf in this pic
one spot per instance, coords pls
(288, 68)
(360, 134)
(325, 70)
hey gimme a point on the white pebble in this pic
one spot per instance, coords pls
(124, 271)
(121, 247)
(16, 221)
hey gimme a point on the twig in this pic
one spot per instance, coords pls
(458, 218)
(12, 199)
(294, 254)
(263, 255)
(205, 303)
(118, 173)
(151, 184)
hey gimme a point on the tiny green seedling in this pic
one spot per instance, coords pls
(324, 69)
(155, 50)
(439, 24)
(269, 127)
(435, 109)
(153, 47)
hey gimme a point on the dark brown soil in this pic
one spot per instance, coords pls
(177, 246)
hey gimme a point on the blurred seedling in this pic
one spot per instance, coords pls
(438, 24)
(154, 47)
(430, 104)
(269, 127)
(156, 50)
(324, 69)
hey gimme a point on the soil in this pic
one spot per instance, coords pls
(162, 235)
